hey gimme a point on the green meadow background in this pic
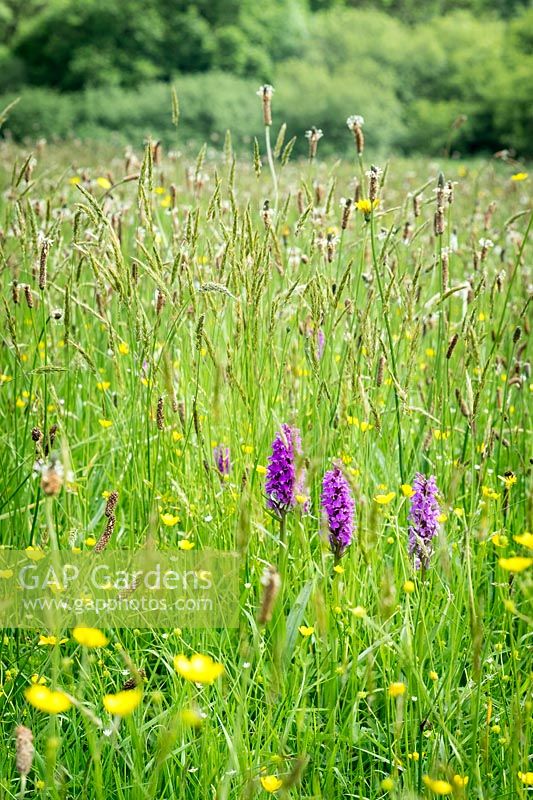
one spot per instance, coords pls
(100, 69)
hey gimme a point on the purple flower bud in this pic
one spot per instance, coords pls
(423, 516)
(284, 480)
(221, 454)
(339, 506)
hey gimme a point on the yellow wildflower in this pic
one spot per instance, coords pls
(104, 183)
(409, 587)
(185, 544)
(366, 206)
(525, 539)
(509, 479)
(384, 499)
(437, 786)
(51, 641)
(35, 553)
(519, 176)
(271, 783)
(526, 778)
(397, 689)
(515, 563)
(105, 423)
(499, 540)
(48, 700)
(169, 519)
(90, 637)
(306, 631)
(198, 669)
(407, 490)
(123, 348)
(123, 703)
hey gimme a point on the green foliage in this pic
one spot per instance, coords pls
(409, 81)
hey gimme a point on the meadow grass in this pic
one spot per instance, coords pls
(374, 679)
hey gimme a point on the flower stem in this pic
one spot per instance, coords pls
(391, 345)
(271, 165)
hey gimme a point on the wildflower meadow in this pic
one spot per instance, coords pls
(320, 365)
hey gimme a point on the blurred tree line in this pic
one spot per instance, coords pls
(88, 67)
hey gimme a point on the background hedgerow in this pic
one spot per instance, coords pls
(91, 68)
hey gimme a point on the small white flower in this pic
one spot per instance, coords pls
(266, 90)
(314, 133)
(486, 243)
(355, 121)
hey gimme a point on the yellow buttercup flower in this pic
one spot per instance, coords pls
(185, 544)
(123, 348)
(51, 641)
(397, 689)
(271, 783)
(198, 669)
(407, 490)
(409, 587)
(526, 778)
(519, 176)
(123, 703)
(169, 519)
(48, 700)
(306, 630)
(499, 540)
(515, 563)
(104, 183)
(90, 637)
(35, 553)
(525, 539)
(438, 787)
(105, 423)
(385, 499)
